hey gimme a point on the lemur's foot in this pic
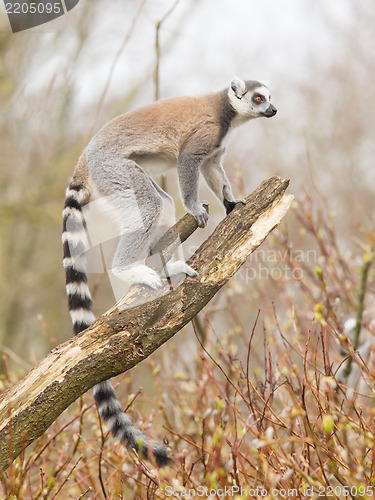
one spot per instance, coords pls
(199, 211)
(139, 275)
(229, 205)
(173, 268)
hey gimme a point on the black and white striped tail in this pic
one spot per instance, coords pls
(80, 307)
(75, 243)
(122, 428)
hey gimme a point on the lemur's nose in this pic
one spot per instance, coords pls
(270, 111)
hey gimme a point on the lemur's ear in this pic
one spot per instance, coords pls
(238, 86)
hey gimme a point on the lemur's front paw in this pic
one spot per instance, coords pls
(173, 268)
(150, 278)
(229, 205)
(200, 213)
(139, 275)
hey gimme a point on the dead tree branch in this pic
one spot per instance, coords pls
(134, 328)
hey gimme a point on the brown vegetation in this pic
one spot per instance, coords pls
(254, 392)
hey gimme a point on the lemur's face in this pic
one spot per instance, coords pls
(251, 99)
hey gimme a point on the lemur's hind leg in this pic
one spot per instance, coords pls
(166, 220)
(131, 206)
(140, 210)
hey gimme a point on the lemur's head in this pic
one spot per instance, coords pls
(251, 99)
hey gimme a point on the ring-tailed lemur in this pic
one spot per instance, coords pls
(187, 132)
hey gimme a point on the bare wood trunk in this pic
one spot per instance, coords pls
(133, 329)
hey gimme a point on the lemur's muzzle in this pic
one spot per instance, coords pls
(270, 111)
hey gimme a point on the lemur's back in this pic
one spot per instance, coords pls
(161, 127)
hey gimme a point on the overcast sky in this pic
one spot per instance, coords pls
(316, 55)
(204, 42)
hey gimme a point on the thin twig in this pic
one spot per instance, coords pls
(157, 47)
(66, 478)
(248, 367)
(368, 260)
(100, 456)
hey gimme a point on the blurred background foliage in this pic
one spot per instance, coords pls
(59, 83)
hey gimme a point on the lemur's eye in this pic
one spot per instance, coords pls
(258, 98)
